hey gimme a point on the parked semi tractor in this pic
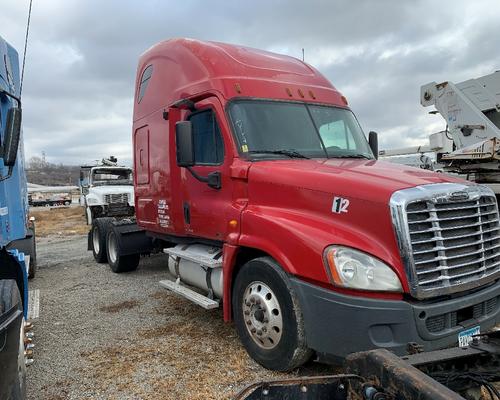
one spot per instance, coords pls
(106, 190)
(252, 173)
(17, 241)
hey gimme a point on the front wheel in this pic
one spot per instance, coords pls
(118, 261)
(268, 317)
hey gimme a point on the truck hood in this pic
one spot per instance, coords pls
(98, 193)
(298, 203)
(102, 190)
(372, 180)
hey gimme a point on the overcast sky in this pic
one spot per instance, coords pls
(82, 57)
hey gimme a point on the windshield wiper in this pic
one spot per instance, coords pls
(289, 153)
(354, 156)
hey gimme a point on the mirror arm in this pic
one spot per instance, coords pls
(12, 96)
(185, 103)
(198, 177)
(213, 179)
(9, 174)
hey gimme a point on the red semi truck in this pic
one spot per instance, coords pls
(254, 176)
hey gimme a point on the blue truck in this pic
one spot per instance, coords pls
(17, 233)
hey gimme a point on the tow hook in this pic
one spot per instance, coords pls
(28, 343)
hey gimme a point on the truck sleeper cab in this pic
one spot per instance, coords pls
(253, 174)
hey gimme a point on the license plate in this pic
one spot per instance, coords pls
(465, 337)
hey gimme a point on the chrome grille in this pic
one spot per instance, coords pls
(116, 198)
(450, 239)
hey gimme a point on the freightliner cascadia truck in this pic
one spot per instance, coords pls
(254, 176)
(17, 236)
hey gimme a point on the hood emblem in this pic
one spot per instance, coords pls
(461, 195)
(458, 196)
(340, 205)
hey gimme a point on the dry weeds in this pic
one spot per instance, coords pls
(61, 221)
(180, 352)
(198, 355)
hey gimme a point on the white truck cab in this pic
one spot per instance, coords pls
(106, 190)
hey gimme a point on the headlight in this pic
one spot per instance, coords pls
(354, 269)
(91, 200)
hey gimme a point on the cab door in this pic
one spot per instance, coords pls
(207, 210)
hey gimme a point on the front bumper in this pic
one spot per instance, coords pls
(337, 325)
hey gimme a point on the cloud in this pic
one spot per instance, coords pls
(82, 58)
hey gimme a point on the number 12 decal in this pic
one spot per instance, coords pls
(340, 205)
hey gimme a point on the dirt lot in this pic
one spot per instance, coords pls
(59, 221)
(102, 335)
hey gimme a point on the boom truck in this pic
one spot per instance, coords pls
(17, 235)
(471, 110)
(470, 144)
(254, 176)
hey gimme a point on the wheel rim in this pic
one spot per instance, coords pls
(262, 315)
(112, 248)
(95, 240)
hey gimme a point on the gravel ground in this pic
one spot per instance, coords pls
(102, 335)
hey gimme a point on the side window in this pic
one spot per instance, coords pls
(337, 134)
(208, 144)
(145, 78)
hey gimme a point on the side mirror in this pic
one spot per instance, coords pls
(184, 144)
(373, 142)
(12, 136)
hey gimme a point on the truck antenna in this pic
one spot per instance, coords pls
(303, 56)
(25, 48)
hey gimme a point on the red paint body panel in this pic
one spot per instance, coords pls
(282, 207)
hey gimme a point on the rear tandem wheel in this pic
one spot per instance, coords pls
(118, 261)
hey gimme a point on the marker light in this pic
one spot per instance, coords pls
(354, 269)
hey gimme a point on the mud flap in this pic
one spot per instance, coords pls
(132, 239)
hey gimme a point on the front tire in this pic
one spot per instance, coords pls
(117, 261)
(268, 317)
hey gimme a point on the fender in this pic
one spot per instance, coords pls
(92, 200)
(14, 267)
(286, 236)
(297, 240)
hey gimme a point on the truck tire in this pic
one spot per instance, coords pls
(268, 317)
(118, 262)
(12, 365)
(99, 231)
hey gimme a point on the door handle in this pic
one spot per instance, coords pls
(187, 213)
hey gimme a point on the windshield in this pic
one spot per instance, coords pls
(283, 129)
(112, 177)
